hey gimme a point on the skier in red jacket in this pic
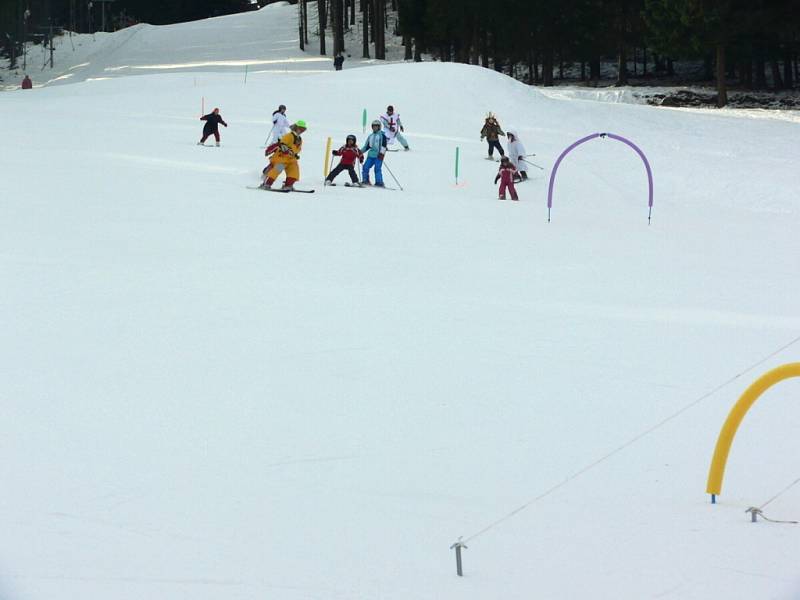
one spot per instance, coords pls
(349, 153)
(505, 174)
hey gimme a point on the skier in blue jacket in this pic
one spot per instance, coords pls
(375, 149)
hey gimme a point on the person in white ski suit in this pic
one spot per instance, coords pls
(516, 152)
(280, 125)
(393, 127)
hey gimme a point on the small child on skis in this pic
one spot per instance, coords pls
(349, 153)
(516, 151)
(506, 174)
(375, 149)
(213, 120)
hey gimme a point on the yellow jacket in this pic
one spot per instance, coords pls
(289, 147)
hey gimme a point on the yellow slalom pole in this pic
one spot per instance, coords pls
(326, 168)
(717, 470)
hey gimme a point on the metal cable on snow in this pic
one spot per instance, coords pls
(635, 439)
(784, 490)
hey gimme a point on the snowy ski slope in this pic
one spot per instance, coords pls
(213, 392)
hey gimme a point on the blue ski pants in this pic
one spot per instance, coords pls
(368, 164)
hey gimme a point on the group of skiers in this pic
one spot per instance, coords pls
(513, 168)
(385, 130)
(285, 142)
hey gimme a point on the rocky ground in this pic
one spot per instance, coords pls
(789, 99)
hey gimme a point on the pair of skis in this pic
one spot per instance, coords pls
(279, 190)
(363, 185)
(346, 184)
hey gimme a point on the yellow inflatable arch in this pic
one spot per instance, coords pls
(739, 410)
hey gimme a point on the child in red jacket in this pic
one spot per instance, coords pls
(506, 174)
(349, 153)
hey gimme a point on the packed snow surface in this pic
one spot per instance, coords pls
(214, 392)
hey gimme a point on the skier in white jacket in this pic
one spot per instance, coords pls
(393, 127)
(280, 125)
(516, 152)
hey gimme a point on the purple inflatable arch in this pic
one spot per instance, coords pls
(591, 137)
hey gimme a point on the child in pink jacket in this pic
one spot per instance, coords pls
(505, 174)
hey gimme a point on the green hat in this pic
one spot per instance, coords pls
(301, 123)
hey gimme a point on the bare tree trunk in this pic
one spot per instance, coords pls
(484, 48)
(622, 66)
(788, 80)
(305, 20)
(407, 47)
(365, 4)
(338, 27)
(380, 29)
(622, 59)
(722, 90)
(594, 70)
(300, 26)
(323, 23)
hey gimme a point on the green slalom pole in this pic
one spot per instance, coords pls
(364, 121)
(458, 150)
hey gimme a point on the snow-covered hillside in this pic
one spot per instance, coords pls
(209, 391)
(263, 41)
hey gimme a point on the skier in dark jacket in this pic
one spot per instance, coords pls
(491, 132)
(338, 61)
(213, 120)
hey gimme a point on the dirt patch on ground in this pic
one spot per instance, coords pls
(683, 98)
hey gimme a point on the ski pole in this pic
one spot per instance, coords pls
(385, 166)
(532, 164)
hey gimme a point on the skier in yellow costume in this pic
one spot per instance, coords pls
(284, 156)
